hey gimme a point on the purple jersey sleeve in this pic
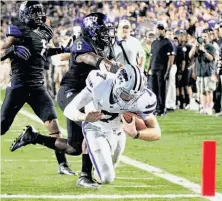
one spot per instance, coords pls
(81, 46)
(13, 30)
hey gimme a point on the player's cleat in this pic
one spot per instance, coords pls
(65, 169)
(86, 181)
(28, 136)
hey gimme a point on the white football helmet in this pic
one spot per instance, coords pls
(128, 85)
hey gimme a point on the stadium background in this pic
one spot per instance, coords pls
(179, 150)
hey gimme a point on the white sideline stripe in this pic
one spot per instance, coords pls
(151, 169)
(168, 176)
(168, 196)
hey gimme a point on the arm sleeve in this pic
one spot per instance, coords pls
(170, 50)
(13, 30)
(150, 107)
(54, 50)
(81, 46)
(82, 99)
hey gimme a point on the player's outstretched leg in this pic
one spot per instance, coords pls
(31, 136)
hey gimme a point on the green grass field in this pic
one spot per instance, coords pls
(32, 170)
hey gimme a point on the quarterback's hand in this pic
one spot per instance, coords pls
(20, 51)
(93, 116)
(129, 128)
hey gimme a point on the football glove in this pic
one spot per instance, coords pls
(18, 50)
(68, 47)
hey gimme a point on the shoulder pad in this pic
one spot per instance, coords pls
(13, 30)
(147, 103)
(94, 78)
(81, 46)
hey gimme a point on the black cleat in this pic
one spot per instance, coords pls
(86, 181)
(65, 169)
(28, 136)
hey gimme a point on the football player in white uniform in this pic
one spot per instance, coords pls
(105, 98)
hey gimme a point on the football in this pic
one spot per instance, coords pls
(140, 124)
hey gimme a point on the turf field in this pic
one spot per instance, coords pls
(31, 172)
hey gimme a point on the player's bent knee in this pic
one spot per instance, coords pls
(74, 150)
(108, 178)
(74, 153)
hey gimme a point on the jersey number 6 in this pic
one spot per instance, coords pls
(79, 45)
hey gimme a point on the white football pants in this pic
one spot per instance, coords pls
(105, 148)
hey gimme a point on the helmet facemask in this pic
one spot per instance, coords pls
(37, 14)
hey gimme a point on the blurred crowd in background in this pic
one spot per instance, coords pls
(192, 16)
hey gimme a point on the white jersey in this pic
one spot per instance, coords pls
(100, 88)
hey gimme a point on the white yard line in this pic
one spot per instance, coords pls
(110, 197)
(196, 188)
(134, 178)
(31, 161)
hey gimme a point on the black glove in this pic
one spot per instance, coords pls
(67, 48)
(18, 50)
(47, 30)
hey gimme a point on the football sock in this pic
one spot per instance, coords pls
(86, 164)
(60, 157)
(46, 141)
(50, 143)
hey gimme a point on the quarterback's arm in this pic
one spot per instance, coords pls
(72, 110)
(97, 61)
(152, 132)
(65, 57)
